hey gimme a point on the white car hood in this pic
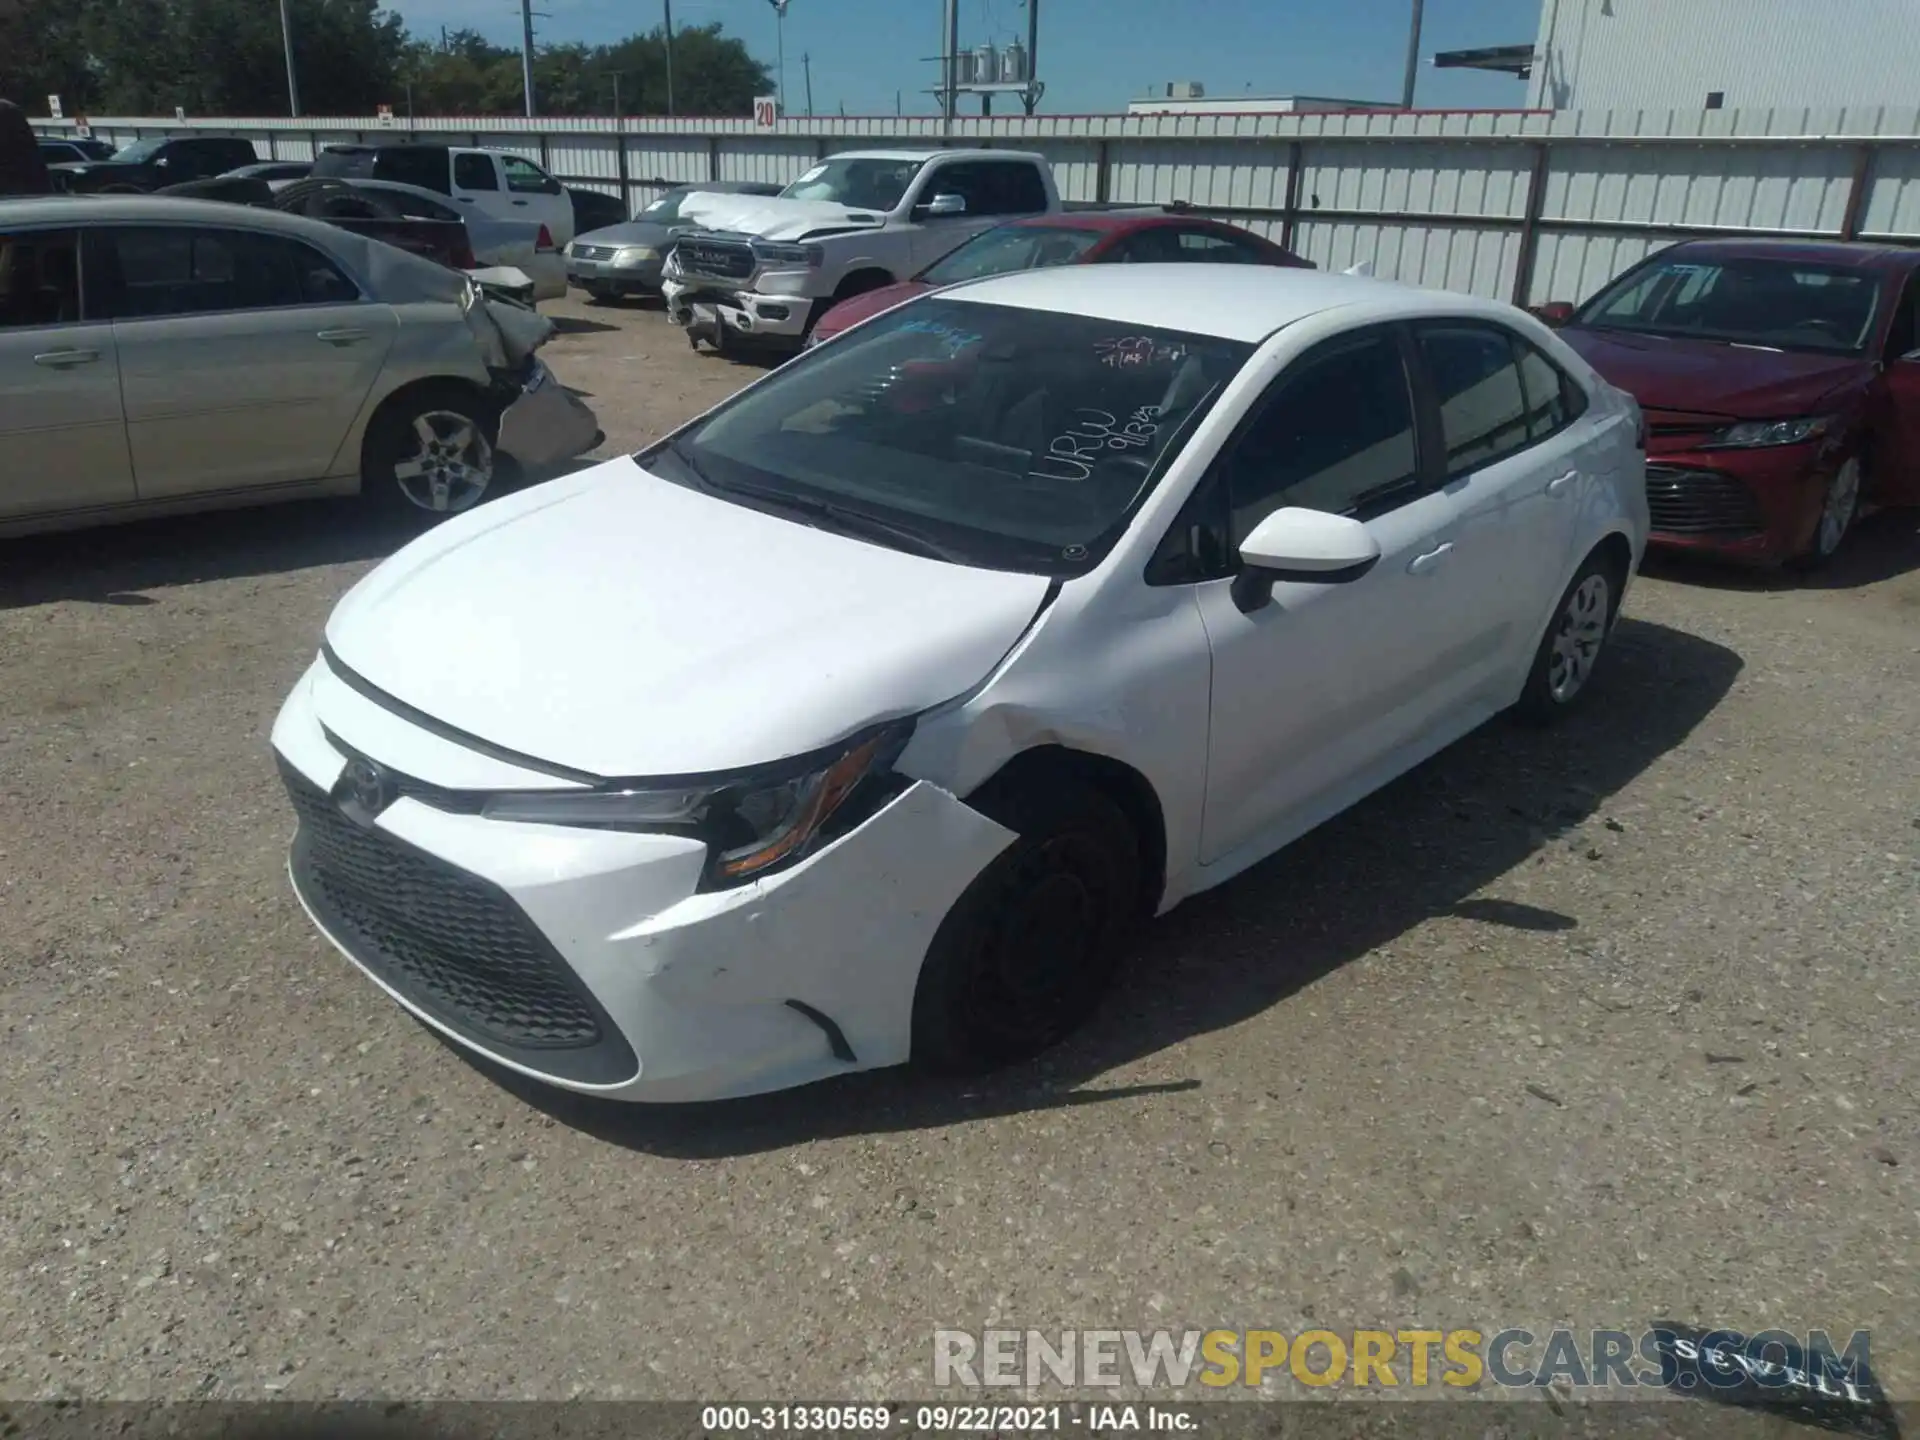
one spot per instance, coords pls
(772, 218)
(620, 624)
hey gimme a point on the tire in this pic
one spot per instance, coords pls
(1839, 508)
(402, 471)
(1031, 947)
(1568, 652)
(601, 294)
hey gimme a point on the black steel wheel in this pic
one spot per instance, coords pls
(1031, 947)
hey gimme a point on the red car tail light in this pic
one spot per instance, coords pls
(544, 243)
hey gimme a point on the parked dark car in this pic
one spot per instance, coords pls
(1076, 237)
(274, 170)
(74, 151)
(160, 160)
(367, 212)
(1781, 386)
(595, 209)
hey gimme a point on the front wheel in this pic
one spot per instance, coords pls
(1565, 660)
(1032, 945)
(1838, 510)
(429, 454)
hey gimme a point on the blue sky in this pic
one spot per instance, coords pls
(1094, 54)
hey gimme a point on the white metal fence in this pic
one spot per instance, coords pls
(1524, 206)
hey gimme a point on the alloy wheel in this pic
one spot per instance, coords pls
(1577, 638)
(1836, 516)
(450, 465)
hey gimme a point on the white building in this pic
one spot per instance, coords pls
(1189, 97)
(1724, 54)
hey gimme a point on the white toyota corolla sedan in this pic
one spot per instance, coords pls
(858, 720)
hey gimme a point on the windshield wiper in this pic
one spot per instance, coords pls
(838, 517)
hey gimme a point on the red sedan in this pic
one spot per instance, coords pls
(1781, 386)
(1085, 237)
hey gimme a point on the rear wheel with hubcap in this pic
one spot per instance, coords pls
(430, 454)
(1837, 513)
(1565, 660)
(1032, 945)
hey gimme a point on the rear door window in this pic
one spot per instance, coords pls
(177, 270)
(39, 279)
(1483, 410)
(474, 171)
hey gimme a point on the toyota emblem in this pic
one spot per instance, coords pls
(366, 785)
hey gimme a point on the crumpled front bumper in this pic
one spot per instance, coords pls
(702, 994)
(546, 423)
(713, 313)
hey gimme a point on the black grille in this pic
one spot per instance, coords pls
(1700, 502)
(716, 257)
(451, 943)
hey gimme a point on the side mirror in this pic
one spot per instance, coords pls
(1308, 546)
(947, 204)
(1555, 313)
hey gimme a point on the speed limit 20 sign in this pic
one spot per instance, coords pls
(766, 110)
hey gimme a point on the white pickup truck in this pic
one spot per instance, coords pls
(766, 267)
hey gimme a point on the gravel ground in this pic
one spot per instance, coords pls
(1592, 1027)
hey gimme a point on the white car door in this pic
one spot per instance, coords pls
(1510, 487)
(63, 435)
(1321, 690)
(244, 357)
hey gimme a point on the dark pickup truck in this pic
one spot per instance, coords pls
(148, 165)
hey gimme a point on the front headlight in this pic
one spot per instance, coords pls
(753, 823)
(635, 255)
(769, 253)
(1754, 434)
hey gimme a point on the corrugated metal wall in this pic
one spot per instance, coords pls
(1628, 54)
(1511, 205)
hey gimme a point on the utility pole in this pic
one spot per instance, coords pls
(526, 51)
(668, 4)
(616, 95)
(950, 64)
(1413, 56)
(286, 40)
(780, 32)
(1032, 95)
(806, 64)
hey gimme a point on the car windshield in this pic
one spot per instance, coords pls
(1010, 248)
(1780, 304)
(666, 209)
(867, 184)
(986, 435)
(140, 150)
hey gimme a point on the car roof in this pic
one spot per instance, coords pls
(1853, 253)
(156, 210)
(1232, 302)
(954, 154)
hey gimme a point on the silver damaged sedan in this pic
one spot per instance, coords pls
(159, 356)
